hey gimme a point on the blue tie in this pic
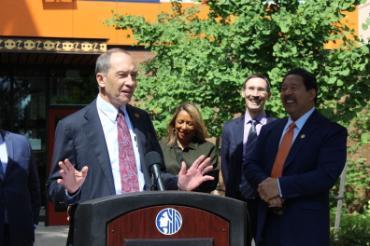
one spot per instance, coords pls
(252, 139)
(245, 188)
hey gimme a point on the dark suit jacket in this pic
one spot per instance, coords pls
(232, 155)
(19, 191)
(314, 163)
(80, 138)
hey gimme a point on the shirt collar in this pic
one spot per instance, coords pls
(301, 120)
(192, 145)
(108, 109)
(261, 118)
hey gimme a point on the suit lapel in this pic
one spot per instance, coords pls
(136, 119)
(270, 119)
(303, 137)
(95, 135)
(239, 130)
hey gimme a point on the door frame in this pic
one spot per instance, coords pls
(56, 214)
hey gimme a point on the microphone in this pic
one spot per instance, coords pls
(153, 162)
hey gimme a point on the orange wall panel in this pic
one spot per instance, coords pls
(16, 19)
(32, 18)
(73, 19)
(351, 20)
(89, 21)
(85, 19)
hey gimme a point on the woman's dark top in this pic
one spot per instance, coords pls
(174, 155)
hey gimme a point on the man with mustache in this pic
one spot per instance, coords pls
(100, 150)
(295, 163)
(238, 140)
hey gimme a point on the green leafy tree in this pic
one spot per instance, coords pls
(205, 60)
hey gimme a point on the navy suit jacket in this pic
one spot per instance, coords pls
(80, 138)
(19, 191)
(232, 156)
(314, 163)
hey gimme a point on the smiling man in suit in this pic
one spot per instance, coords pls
(100, 150)
(20, 197)
(238, 140)
(295, 163)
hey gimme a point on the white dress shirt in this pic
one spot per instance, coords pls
(3, 154)
(4, 163)
(108, 118)
(261, 121)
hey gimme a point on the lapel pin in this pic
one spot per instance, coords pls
(303, 136)
(137, 115)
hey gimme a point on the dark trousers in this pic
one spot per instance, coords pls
(7, 240)
(71, 211)
(252, 210)
(271, 235)
(6, 235)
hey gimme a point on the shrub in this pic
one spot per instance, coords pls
(354, 230)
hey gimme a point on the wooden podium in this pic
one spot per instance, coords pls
(165, 218)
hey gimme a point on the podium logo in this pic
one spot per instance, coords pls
(168, 221)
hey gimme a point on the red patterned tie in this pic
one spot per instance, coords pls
(127, 164)
(283, 152)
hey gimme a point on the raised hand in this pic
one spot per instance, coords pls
(72, 179)
(189, 179)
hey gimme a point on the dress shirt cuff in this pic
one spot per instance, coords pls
(71, 198)
(279, 189)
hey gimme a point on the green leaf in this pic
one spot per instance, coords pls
(365, 138)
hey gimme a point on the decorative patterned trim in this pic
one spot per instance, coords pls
(51, 45)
